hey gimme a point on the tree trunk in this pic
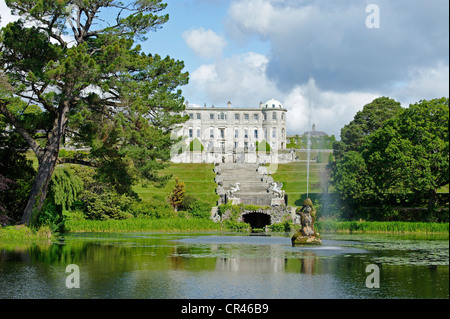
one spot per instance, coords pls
(47, 163)
(432, 203)
(40, 187)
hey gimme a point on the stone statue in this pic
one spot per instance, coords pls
(275, 187)
(306, 234)
(234, 188)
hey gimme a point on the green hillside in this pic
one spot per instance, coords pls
(293, 176)
(198, 178)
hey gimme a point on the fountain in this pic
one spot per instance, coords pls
(306, 235)
(308, 145)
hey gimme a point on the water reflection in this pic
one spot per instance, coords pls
(150, 265)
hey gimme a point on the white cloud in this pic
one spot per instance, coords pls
(204, 43)
(423, 84)
(330, 41)
(242, 79)
(330, 111)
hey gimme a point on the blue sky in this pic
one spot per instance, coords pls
(317, 57)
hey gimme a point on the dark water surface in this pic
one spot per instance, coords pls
(226, 265)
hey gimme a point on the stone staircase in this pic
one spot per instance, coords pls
(252, 183)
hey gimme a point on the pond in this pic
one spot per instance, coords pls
(226, 265)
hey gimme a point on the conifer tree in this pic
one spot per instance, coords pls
(177, 195)
(95, 87)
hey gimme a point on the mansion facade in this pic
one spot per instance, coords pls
(229, 134)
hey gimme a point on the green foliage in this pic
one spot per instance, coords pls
(384, 159)
(365, 122)
(281, 227)
(65, 187)
(332, 225)
(101, 200)
(142, 224)
(411, 151)
(107, 205)
(199, 209)
(20, 173)
(21, 233)
(317, 142)
(154, 207)
(177, 195)
(93, 83)
(236, 226)
(50, 216)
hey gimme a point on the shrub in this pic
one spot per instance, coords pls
(199, 209)
(107, 205)
(50, 217)
(155, 207)
(281, 227)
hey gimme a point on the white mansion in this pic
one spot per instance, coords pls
(231, 134)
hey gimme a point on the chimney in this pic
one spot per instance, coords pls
(229, 104)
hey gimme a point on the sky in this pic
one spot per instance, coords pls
(322, 59)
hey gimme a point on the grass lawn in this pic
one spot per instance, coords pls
(198, 178)
(293, 176)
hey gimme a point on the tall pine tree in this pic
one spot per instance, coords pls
(95, 86)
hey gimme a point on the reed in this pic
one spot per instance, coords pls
(24, 233)
(141, 224)
(331, 225)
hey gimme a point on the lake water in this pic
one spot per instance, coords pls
(226, 265)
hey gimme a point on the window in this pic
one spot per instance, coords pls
(246, 116)
(235, 144)
(282, 116)
(222, 116)
(222, 132)
(256, 133)
(265, 117)
(236, 116)
(273, 106)
(211, 133)
(236, 133)
(190, 133)
(191, 115)
(211, 116)
(255, 117)
(274, 132)
(246, 145)
(198, 133)
(245, 133)
(274, 115)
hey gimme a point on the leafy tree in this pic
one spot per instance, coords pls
(95, 87)
(365, 122)
(410, 153)
(177, 195)
(352, 182)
